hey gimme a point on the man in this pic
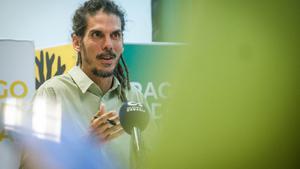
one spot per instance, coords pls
(93, 91)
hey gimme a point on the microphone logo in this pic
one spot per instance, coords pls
(130, 103)
(133, 106)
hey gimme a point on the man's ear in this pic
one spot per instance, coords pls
(76, 41)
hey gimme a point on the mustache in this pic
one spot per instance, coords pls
(106, 55)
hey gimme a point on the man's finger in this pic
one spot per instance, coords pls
(114, 120)
(100, 111)
(115, 117)
(116, 134)
(111, 130)
(102, 128)
(103, 136)
(101, 119)
(102, 108)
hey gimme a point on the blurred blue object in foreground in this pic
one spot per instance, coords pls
(72, 152)
(51, 139)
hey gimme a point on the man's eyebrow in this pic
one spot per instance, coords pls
(96, 30)
(117, 31)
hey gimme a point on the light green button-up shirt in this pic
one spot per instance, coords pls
(81, 98)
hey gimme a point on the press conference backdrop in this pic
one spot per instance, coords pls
(145, 62)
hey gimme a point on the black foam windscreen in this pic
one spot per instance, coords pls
(133, 114)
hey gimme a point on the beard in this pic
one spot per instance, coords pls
(108, 54)
(101, 73)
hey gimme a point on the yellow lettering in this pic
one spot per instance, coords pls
(4, 94)
(12, 89)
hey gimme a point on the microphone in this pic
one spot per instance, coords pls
(132, 115)
(134, 119)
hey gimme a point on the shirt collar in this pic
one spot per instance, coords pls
(80, 78)
(85, 83)
(116, 84)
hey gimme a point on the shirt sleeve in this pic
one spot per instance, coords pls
(46, 92)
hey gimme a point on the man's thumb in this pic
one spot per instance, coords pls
(101, 109)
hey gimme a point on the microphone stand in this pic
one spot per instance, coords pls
(137, 149)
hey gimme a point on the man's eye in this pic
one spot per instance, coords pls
(116, 35)
(96, 34)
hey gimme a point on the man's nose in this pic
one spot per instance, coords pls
(107, 43)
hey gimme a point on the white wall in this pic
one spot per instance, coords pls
(48, 22)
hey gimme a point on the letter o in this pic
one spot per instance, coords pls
(12, 89)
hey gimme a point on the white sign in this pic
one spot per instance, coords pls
(17, 82)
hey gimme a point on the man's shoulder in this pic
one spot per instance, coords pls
(57, 83)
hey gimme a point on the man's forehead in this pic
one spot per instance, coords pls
(103, 19)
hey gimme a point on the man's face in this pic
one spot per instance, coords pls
(101, 45)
